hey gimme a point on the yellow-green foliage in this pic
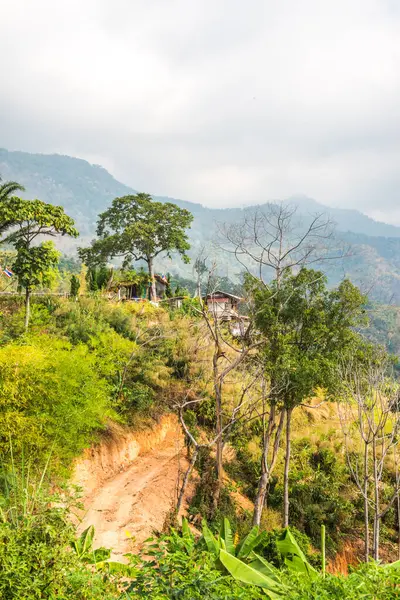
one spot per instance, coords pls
(51, 396)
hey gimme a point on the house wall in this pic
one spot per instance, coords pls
(160, 289)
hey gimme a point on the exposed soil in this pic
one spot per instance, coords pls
(128, 506)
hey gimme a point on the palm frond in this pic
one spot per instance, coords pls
(9, 188)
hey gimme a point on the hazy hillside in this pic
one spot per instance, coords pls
(85, 190)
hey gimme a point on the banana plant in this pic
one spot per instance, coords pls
(293, 556)
(242, 562)
(225, 541)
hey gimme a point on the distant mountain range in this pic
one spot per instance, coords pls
(85, 190)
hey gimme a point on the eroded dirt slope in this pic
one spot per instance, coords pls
(126, 502)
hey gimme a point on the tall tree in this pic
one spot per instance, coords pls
(307, 330)
(138, 228)
(30, 220)
(269, 243)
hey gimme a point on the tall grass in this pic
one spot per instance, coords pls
(21, 492)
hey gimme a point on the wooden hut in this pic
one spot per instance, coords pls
(223, 305)
(127, 290)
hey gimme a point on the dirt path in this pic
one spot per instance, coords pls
(127, 508)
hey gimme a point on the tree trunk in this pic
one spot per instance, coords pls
(219, 444)
(266, 470)
(398, 524)
(153, 292)
(286, 471)
(186, 480)
(366, 505)
(198, 287)
(259, 502)
(376, 503)
(27, 307)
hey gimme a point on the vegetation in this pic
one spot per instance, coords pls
(29, 219)
(258, 407)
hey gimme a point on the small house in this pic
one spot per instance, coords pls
(127, 290)
(176, 301)
(223, 305)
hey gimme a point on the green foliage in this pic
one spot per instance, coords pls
(179, 567)
(35, 266)
(74, 286)
(98, 278)
(138, 228)
(307, 330)
(320, 489)
(35, 535)
(294, 557)
(34, 217)
(225, 541)
(51, 395)
(29, 219)
(250, 575)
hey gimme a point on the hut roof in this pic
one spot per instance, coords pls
(219, 294)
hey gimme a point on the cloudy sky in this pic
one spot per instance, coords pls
(224, 102)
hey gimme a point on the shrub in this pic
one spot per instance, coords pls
(51, 396)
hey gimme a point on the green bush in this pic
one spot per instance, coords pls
(51, 396)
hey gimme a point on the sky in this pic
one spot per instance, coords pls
(222, 102)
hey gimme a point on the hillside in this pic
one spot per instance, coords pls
(84, 190)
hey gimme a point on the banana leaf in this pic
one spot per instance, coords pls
(245, 573)
(226, 535)
(185, 529)
(263, 566)
(212, 543)
(83, 545)
(251, 541)
(293, 555)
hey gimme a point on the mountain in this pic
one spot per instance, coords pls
(85, 190)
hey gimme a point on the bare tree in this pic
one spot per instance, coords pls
(228, 357)
(200, 268)
(273, 239)
(369, 416)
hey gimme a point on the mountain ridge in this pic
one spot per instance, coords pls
(12, 161)
(85, 190)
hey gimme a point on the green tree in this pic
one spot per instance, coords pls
(34, 266)
(31, 219)
(75, 284)
(98, 278)
(138, 228)
(307, 330)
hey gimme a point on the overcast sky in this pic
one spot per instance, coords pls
(224, 102)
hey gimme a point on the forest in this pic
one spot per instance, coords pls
(287, 403)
